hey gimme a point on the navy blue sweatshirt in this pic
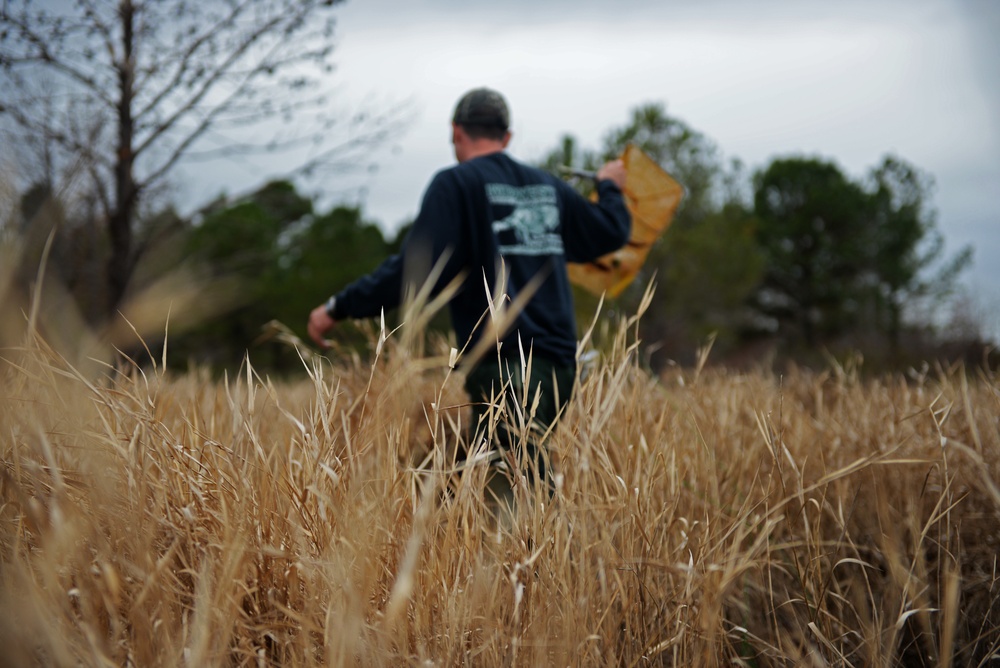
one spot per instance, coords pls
(489, 210)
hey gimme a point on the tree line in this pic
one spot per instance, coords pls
(102, 102)
(798, 258)
(798, 255)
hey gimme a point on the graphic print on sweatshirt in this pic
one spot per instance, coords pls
(532, 228)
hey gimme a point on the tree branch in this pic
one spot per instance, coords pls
(187, 57)
(45, 57)
(208, 85)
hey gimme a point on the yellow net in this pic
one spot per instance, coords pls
(652, 197)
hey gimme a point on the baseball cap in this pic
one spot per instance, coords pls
(483, 107)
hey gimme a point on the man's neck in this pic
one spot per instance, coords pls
(483, 147)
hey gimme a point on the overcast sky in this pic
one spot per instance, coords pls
(848, 81)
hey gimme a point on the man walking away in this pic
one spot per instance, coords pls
(493, 217)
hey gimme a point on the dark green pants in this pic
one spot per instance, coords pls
(492, 378)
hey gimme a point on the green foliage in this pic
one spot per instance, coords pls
(246, 239)
(321, 258)
(334, 249)
(812, 258)
(812, 233)
(706, 264)
(846, 257)
(286, 260)
(807, 255)
(904, 244)
(686, 154)
(712, 269)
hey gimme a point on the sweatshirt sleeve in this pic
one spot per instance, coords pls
(435, 232)
(592, 230)
(369, 295)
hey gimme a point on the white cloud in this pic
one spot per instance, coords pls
(848, 90)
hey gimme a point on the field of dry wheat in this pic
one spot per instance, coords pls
(701, 518)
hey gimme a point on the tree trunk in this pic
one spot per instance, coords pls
(895, 324)
(120, 263)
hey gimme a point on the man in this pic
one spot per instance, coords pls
(491, 217)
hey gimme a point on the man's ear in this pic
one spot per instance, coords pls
(506, 138)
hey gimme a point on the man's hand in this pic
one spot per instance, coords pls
(320, 323)
(613, 171)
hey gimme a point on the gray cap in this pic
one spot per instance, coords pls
(483, 107)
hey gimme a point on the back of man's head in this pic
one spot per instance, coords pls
(483, 114)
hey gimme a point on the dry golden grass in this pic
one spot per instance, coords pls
(703, 518)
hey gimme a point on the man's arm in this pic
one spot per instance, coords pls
(434, 230)
(613, 171)
(592, 230)
(366, 297)
(320, 322)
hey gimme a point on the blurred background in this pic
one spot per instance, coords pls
(204, 168)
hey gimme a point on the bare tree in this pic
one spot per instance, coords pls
(123, 91)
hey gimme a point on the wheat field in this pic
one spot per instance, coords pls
(701, 518)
